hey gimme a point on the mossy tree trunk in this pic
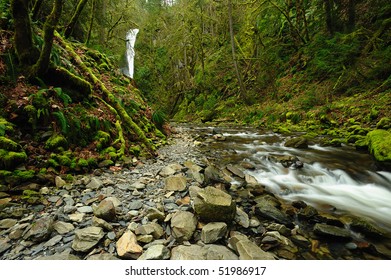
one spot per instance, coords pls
(42, 65)
(23, 40)
(74, 18)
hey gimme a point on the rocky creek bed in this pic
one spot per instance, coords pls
(179, 206)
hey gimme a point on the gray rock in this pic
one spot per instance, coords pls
(137, 186)
(127, 246)
(167, 171)
(105, 210)
(219, 252)
(192, 252)
(59, 182)
(175, 183)
(155, 214)
(331, 231)
(242, 218)
(213, 175)
(94, 184)
(77, 217)
(153, 229)
(156, 252)
(135, 205)
(40, 230)
(246, 249)
(85, 209)
(63, 227)
(183, 225)
(102, 257)
(213, 205)
(114, 200)
(101, 223)
(297, 142)
(235, 171)
(87, 238)
(65, 255)
(4, 245)
(7, 223)
(53, 241)
(266, 209)
(212, 232)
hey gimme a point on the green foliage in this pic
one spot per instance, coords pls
(62, 121)
(379, 144)
(66, 99)
(158, 118)
(56, 142)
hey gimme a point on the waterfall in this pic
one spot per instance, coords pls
(128, 70)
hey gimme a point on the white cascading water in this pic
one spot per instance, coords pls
(130, 53)
(323, 185)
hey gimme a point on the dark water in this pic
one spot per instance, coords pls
(341, 179)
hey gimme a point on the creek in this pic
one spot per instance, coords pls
(336, 179)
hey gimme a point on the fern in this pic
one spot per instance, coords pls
(62, 121)
(44, 112)
(158, 118)
(66, 99)
(2, 129)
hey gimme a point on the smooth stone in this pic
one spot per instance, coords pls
(85, 209)
(219, 252)
(175, 183)
(155, 214)
(153, 229)
(135, 205)
(59, 182)
(102, 257)
(192, 252)
(167, 171)
(4, 245)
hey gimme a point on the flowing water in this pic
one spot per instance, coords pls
(130, 53)
(341, 179)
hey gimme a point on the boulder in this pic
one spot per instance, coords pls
(267, 209)
(297, 142)
(213, 205)
(87, 238)
(127, 246)
(183, 225)
(379, 145)
(248, 250)
(331, 231)
(219, 252)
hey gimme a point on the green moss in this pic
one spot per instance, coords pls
(83, 163)
(10, 159)
(379, 145)
(56, 142)
(31, 197)
(5, 126)
(102, 138)
(8, 144)
(159, 134)
(92, 162)
(32, 114)
(384, 123)
(135, 150)
(52, 163)
(18, 177)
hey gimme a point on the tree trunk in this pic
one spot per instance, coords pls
(329, 16)
(91, 22)
(42, 65)
(25, 51)
(75, 17)
(351, 15)
(235, 61)
(36, 9)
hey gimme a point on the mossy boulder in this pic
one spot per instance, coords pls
(11, 154)
(379, 145)
(56, 142)
(102, 139)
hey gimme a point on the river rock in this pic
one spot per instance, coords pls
(156, 252)
(59, 182)
(297, 142)
(183, 225)
(53, 241)
(213, 205)
(40, 230)
(248, 250)
(192, 252)
(63, 227)
(242, 218)
(364, 226)
(94, 184)
(7, 223)
(167, 171)
(155, 214)
(219, 252)
(102, 257)
(77, 217)
(153, 229)
(235, 171)
(212, 175)
(4, 245)
(101, 223)
(286, 160)
(331, 231)
(267, 209)
(175, 183)
(105, 210)
(65, 255)
(87, 238)
(212, 232)
(127, 246)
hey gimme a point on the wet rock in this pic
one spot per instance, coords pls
(364, 226)
(282, 229)
(7, 223)
(175, 183)
(183, 225)
(266, 209)
(212, 175)
(156, 252)
(105, 210)
(127, 246)
(308, 212)
(212, 232)
(87, 238)
(286, 160)
(213, 205)
(297, 142)
(40, 230)
(235, 171)
(63, 227)
(331, 231)
(301, 241)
